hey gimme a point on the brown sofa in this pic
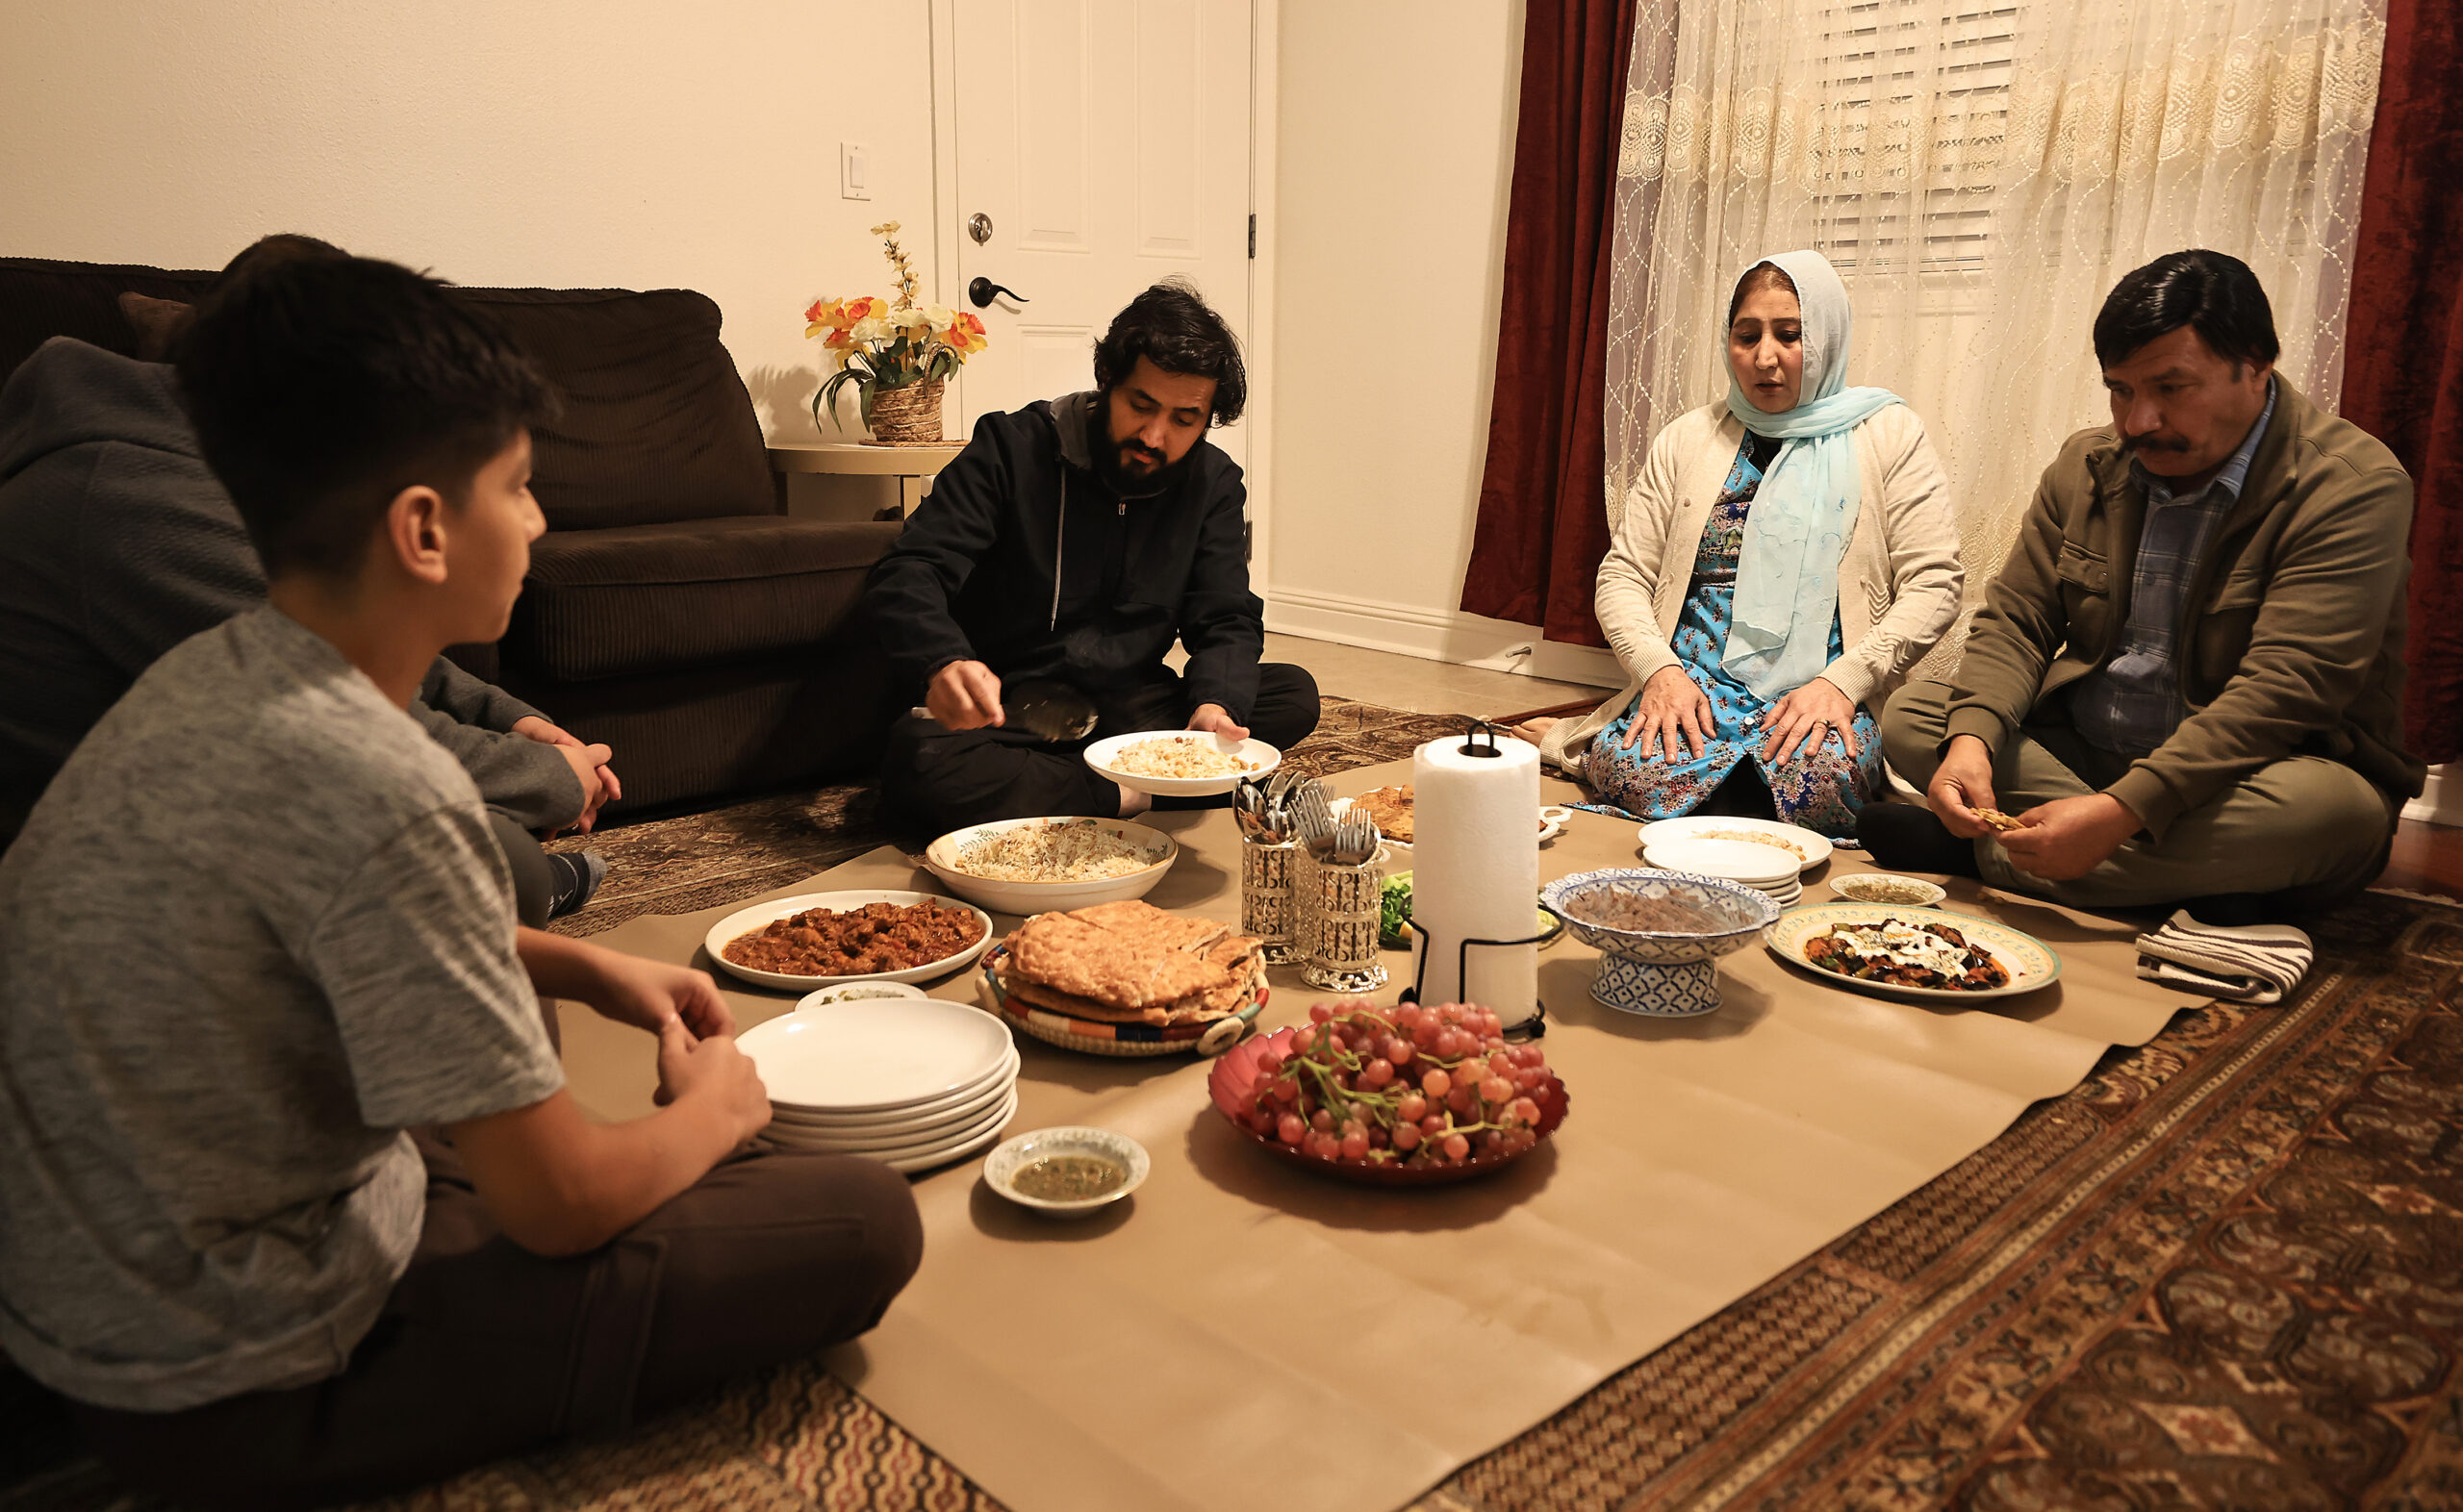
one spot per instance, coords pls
(673, 610)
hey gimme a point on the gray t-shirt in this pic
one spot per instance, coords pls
(256, 928)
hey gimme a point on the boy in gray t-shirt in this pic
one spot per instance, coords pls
(257, 937)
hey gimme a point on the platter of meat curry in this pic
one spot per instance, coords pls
(818, 939)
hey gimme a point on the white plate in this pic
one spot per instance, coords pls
(1260, 758)
(745, 920)
(2030, 961)
(1037, 898)
(919, 1154)
(908, 1165)
(1000, 1167)
(842, 1120)
(958, 1107)
(985, 1122)
(1753, 864)
(1812, 847)
(876, 1054)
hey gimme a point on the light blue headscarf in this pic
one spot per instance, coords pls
(1786, 580)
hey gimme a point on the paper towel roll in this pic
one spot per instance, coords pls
(1475, 872)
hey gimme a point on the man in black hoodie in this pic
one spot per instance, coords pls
(1071, 544)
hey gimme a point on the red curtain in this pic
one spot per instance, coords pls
(2404, 381)
(1543, 528)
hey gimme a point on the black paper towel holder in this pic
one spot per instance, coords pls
(1479, 727)
(1532, 1028)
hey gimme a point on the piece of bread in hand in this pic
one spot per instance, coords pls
(1998, 819)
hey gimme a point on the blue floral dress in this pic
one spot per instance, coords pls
(1823, 789)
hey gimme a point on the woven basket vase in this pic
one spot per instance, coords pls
(908, 416)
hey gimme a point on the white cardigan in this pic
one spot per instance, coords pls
(1898, 582)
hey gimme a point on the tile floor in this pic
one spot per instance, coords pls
(1417, 684)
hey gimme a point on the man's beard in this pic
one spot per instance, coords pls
(1112, 466)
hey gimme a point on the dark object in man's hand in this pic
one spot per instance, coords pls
(1049, 711)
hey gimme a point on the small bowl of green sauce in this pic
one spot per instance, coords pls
(1066, 1173)
(1883, 887)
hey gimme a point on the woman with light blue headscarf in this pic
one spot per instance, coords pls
(1785, 556)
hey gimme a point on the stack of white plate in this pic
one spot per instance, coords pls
(913, 1082)
(1766, 868)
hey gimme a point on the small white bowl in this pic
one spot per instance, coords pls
(857, 991)
(1256, 755)
(1000, 1167)
(1848, 887)
(1735, 860)
(1553, 819)
(1037, 898)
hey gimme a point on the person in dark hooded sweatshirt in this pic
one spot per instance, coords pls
(1065, 549)
(117, 543)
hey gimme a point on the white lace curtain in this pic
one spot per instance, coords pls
(1981, 175)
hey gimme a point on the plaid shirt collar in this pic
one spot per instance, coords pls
(2234, 473)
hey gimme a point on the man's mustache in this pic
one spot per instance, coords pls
(2152, 442)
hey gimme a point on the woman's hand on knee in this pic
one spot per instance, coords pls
(1671, 706)
(1802, 721)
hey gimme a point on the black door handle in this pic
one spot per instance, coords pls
(982, 289)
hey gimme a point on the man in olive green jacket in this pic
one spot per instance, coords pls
(2185, 683)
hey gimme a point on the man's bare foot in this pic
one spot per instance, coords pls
(1133, 802)
(1534, 730)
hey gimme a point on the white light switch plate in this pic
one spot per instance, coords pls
(855, 171)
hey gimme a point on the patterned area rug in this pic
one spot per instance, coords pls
(2226, 1272)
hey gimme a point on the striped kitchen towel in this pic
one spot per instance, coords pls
(2256, 964)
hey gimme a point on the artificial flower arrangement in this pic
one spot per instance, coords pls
(881, 344)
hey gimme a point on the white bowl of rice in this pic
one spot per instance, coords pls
(1034, 865)
(1180, 764)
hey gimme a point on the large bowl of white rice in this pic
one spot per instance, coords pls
(1034, 865)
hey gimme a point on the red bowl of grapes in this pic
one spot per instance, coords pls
(1396, 1096)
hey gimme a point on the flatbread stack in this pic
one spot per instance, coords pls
(1390, 809)
(1132, 963)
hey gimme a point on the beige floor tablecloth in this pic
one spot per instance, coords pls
(1238, 1335)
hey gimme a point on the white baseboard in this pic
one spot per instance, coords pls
(1438, 634)
(2441, 802)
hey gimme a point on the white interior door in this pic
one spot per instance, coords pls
(1105, 145)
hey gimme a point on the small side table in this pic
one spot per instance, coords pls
(913, 466)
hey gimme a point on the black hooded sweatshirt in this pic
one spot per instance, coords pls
(1022, 558)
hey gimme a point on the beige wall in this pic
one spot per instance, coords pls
(633, 143)
(641, 144)
(1396, 125)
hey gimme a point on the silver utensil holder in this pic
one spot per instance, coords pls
(1337, 923)
(1266, 907)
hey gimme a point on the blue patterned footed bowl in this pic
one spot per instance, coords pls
(1737, 912)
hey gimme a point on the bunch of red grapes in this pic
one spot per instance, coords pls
(1405, 1086)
